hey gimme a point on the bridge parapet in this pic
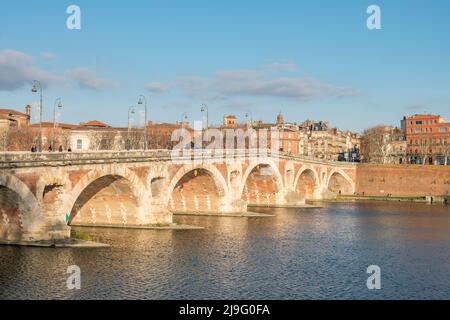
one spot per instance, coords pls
(27, 159)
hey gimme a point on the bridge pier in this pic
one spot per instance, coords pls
(292, 198)
(233, 205)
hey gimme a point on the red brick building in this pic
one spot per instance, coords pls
(427, 138)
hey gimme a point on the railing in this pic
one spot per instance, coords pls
(11, 160)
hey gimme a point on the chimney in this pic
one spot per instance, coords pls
(28, 113)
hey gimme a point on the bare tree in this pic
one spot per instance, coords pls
(133, 139)
(19, 139)
(378, 145)
(102, 140)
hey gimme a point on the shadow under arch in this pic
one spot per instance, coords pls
(19, 211)
(111, 197)
(266, 180)
(340, 183)
(196, 188)
(307, 182)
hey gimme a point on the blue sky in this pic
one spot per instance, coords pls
(308, 59)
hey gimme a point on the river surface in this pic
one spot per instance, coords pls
(297, 254)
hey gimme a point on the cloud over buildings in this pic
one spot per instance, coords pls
(156, 87)
(266, 82)
(86, 78)
(17, 69)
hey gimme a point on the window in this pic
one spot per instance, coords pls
(418, 122)
(418, 130)
(442, 129)
(104, 144)
(79, 144)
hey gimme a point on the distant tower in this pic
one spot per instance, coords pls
(280, 119)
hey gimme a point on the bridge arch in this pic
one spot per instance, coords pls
(339, 182)
(307, 182)
(268, 189)
(19, 208)
(113, 195)
(196, 188)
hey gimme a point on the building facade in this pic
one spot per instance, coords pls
(427, 138)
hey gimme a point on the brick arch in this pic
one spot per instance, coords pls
(22, 213)
(211, 170)
(279, 186)
(345, 176)
(316, 178)
(137, 189)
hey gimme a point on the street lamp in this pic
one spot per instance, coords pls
(35, 89)
(58, 103)
(142, 100)
(130, 112)
(251, 117)
(183, 118)
(205, 108)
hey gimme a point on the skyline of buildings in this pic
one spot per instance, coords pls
(418, 139)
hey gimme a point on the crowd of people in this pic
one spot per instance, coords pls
(50, 149)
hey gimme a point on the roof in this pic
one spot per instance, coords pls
(12, 112)
(94, 123)
(50, 124)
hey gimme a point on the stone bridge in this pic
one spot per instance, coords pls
(42, 194)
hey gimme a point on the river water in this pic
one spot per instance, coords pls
(297, 254)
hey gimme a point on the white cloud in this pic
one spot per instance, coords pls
(252, 83)
(17, 70)
(87, 78)
(156, 87)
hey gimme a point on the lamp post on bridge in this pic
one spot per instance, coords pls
(58, 103)
(251, 118)
(37, 87)
(203, 109)
(142, 100)
(130, 112)
(183, 118)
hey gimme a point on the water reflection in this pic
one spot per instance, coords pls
(298, 254)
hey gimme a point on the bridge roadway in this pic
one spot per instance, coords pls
(43, 194)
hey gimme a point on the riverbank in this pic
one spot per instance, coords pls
(171, 226)
(228, 215)
(421, 199)
(69, 243)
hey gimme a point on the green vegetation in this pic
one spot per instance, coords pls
(81, 235)
(161, 225)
